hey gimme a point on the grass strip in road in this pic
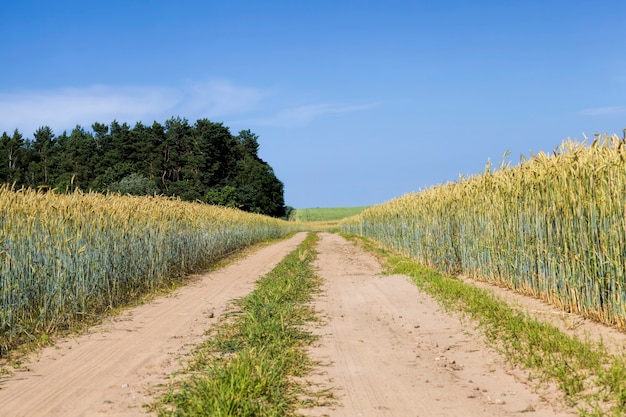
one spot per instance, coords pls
(591, 378)
(249, 365)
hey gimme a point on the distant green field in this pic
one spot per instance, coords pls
(325, 214)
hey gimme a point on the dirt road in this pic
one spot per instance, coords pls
(389, 349)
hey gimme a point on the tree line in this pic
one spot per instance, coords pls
(199, 162)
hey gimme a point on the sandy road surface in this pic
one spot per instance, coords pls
(391, 351)
(114, 368)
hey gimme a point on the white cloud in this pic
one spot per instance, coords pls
(64, 108)
(604, 111)
(302, 115)
(219, 98)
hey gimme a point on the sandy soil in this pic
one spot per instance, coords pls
(387, 349)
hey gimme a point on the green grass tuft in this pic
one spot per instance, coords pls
(247, 368)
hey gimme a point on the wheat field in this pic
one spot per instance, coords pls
(64, 257)
(553, 227)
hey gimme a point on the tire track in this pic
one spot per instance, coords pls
(392, 351)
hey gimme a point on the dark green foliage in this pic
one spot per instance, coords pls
(223, 196)
(40, 164)
(259, 189)
(201, 162)
(289, 211)
(12, 149)
(134, 184)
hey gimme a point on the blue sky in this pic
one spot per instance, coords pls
(355, 102)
